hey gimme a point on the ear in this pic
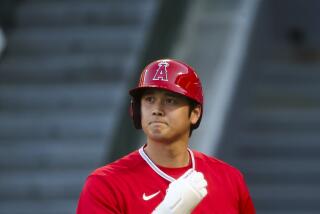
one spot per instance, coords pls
(195, 114)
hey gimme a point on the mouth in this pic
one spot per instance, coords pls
(157, 122)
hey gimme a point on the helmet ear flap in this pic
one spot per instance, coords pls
(135, 113)
(197, 124)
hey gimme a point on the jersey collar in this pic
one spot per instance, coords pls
(159, 171)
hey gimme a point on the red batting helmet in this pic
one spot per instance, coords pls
(171, 75)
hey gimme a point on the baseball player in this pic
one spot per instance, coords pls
(164, 176)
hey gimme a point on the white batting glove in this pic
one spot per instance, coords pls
(183, 194)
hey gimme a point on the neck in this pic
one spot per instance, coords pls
(171, 155)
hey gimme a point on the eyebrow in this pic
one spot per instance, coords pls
(168, 94)
(172, 95)
(150, 92)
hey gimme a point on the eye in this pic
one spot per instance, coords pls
(171, 101)
(148, 99)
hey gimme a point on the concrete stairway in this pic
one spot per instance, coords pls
(62, 82)
(273, 129)
(275, 136)
(214, 41)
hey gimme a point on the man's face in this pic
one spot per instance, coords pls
(165, 116)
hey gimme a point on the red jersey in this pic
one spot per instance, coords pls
(131, 185)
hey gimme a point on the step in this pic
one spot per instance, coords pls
(278, 88)
(67, 13)
(76, 1)
(56, 125)
(279, 170)
(63, 68)
(282, 120)
(42, 184)
(286, 210)
(281, 96)
(288, 73)
(280, 145)
(264, 149)
(29, 206)
(285, 52)
(284, 89)
(216, 6)
(63, 40)
(53, 155)
(62, 97)
(287, 197)
(286, 192)
(278, 140)
(284, 115)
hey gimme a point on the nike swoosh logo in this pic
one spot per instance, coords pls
(148, 197)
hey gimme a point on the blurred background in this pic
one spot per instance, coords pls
(66, 67)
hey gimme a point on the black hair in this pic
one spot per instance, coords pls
(192, 105)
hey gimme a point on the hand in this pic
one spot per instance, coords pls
(184, 194)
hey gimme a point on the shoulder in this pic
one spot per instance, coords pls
(216, 165)
(104, 187)
(218, 171)
(112, 176)
(119, 167)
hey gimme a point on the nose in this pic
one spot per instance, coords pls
(157, 112)
(158, 109)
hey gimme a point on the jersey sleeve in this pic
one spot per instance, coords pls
(98, 197)
(246, 204)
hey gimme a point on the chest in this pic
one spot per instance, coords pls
(221, 198)
(142, 193)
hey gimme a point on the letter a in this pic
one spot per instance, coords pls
(162, 73)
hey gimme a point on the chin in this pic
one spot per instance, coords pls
(158, 137)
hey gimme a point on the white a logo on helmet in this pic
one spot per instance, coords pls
(162, 73)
